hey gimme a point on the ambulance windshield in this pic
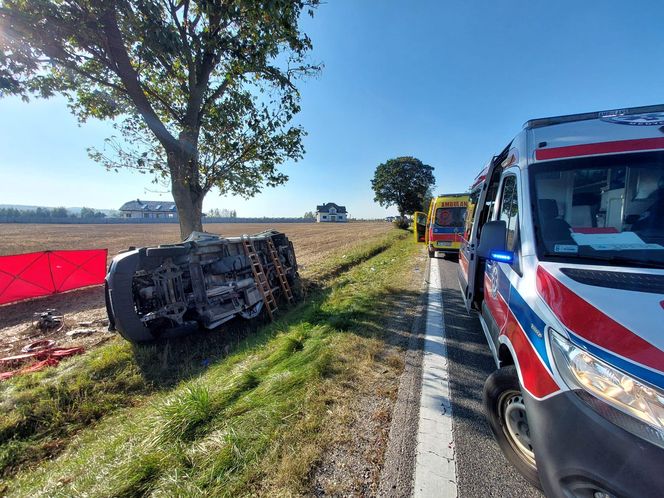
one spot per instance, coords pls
(451, 217)
(602, 210)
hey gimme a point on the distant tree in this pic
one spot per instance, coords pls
(214, 212)
(59, 212)
(404, 182)
(87, 213)
(426, 201)
(233, 213)
(37, 213)
(309, 215)
(202, 93)
(225, 213)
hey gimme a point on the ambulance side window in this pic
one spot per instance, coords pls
(492, 193)
(509, 210)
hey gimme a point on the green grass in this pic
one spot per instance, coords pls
(203, 416)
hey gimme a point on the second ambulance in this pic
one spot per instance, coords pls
(563, 259)
(445, 220)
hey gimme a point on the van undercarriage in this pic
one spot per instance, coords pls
(203, 282)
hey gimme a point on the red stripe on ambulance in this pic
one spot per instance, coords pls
(600, 148)
(535, 376)
(585, 320)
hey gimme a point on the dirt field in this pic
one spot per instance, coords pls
(312, 242)
(310, 239)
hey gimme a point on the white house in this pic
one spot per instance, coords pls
(331, 212)
(149, 209)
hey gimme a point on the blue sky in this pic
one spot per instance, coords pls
(449, 82)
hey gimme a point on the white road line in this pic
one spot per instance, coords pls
(435, 469)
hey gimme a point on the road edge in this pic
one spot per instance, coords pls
(435, 465)
(396, 477)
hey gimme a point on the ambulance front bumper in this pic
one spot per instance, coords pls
(581, 454)
(444, 246)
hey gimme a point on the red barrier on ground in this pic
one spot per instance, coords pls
(36, 274)
(45, 358)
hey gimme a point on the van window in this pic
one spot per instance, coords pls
(509, 209)
(470, 213)
(490, 199)
(450, 217)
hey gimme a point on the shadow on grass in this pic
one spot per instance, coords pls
(168, 362)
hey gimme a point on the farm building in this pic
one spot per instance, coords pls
(149, 209)
(331, 212)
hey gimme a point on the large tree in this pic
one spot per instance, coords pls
(404, 182)
(202, 92)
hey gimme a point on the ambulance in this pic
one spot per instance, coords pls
(563, 261)
(445, 221)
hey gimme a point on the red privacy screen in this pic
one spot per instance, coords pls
(35, 274)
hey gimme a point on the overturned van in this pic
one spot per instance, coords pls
(201, 283)
(563, 259)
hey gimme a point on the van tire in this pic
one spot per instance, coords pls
(503, 404)
(432, 254)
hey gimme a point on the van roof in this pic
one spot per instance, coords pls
(540, 122)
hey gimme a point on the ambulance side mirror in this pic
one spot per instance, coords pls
(492, 242)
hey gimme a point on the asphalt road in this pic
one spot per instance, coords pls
(482, 470)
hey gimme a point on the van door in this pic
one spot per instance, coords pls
(427, 226)
(474, 277)
(498, 275)
(419, 226)
(464, 248)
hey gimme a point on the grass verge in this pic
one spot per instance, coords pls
(244, 419)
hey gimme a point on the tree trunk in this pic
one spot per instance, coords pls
(187, 194)
(190, 208)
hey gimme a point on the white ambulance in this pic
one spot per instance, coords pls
(563, 259)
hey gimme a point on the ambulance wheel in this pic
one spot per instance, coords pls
(506, 413)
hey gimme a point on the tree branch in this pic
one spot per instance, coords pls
(118, 55)
(218, 92)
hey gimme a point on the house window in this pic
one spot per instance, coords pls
(324, 217)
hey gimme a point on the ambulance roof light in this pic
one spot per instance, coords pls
(540, 122)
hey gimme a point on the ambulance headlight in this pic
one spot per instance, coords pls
(598, 380)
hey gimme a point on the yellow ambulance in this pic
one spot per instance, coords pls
(445, 223)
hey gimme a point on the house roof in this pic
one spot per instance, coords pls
(139, 205)
(325, 208)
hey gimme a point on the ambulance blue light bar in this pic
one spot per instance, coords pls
(502, 256)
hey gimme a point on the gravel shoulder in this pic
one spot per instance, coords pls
(383, 408)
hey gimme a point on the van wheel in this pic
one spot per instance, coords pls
(432, 254)
(506, 413)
